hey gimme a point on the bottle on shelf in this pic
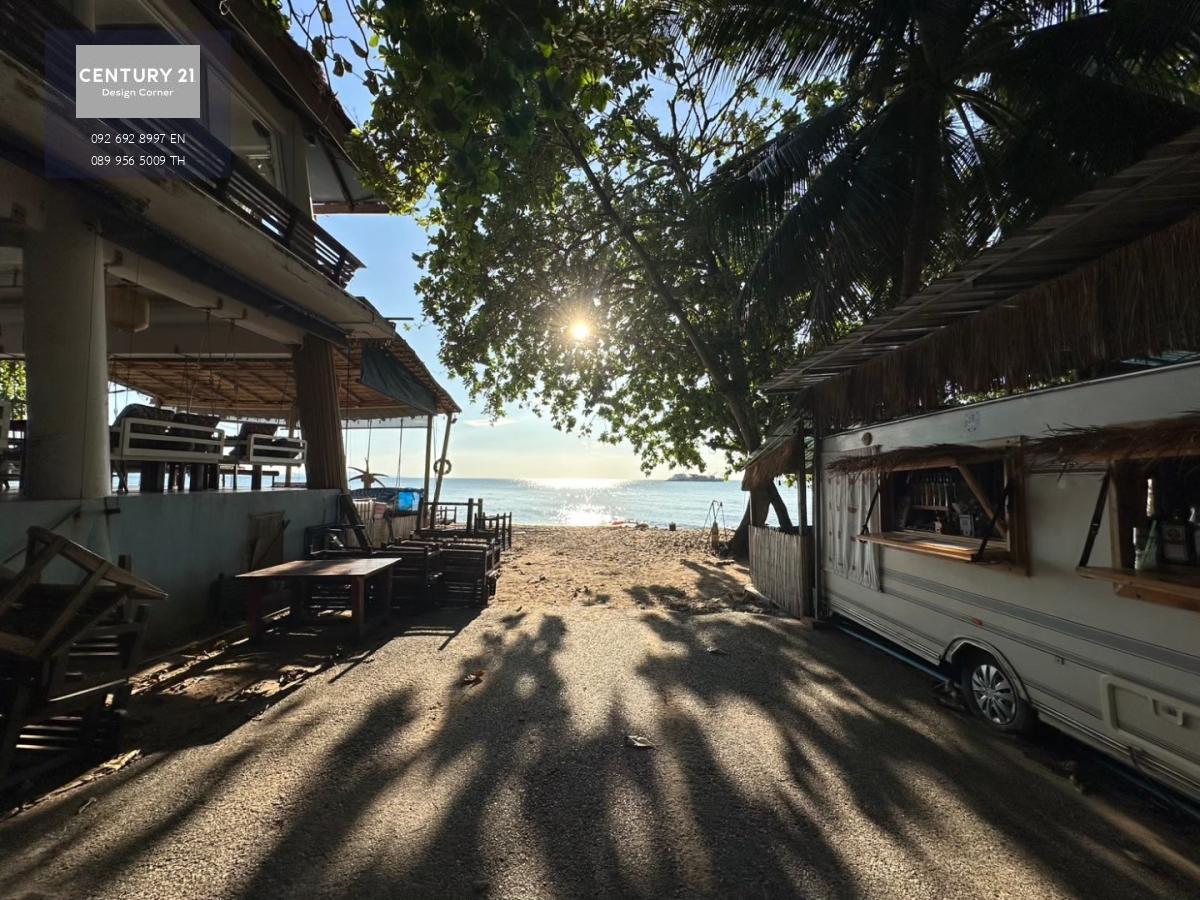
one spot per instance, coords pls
(1176, 548)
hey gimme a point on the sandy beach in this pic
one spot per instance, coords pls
(641, 567)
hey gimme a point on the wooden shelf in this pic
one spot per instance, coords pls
(1182, 591)
(947, 546)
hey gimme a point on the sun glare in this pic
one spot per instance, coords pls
(580, 330)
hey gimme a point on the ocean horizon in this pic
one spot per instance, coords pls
(602, 501)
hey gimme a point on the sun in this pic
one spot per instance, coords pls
(580, 330)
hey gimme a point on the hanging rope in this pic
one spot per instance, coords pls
(203, 352)
(212, 375)
(346, 412)
(284, 405)
(227, 367)
(399, 452)
(128, 369)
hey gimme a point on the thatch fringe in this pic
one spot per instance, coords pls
(1068, 446)
(1139, 300)
(1141, 440)
(781, 454)
(911, 457)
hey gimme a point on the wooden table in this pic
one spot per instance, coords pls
(356, 572)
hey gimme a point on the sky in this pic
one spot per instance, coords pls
(520, 445)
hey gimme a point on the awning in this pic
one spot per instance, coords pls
(383, 372)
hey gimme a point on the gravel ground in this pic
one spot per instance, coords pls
(784, 762)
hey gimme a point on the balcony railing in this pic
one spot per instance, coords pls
(212, 168)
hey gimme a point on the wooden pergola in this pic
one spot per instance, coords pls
(264, 387)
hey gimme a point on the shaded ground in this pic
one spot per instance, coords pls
(792, 762)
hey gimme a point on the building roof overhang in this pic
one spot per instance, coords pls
(298, 79)
(263, 385)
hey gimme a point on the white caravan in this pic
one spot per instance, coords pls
(963, 535)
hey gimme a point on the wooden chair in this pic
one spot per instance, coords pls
(66, 653)
(470, 569)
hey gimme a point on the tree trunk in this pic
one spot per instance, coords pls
(761, 500)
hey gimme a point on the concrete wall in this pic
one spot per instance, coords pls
(179, 542)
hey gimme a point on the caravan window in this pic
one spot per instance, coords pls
(951, 508)
(1154, 514)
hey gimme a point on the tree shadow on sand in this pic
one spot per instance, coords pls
(777, 766)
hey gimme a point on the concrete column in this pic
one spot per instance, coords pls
(66, 357)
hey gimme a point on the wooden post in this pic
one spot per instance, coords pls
(818, 519)
(801, 475)
(806, 587)
(358, 606)
(428, 461)
(437, 491)
(291, 427)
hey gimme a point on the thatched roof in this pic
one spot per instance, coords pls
(1138, 440)
(933, 455)
(780, 454)
(1141, 440)
(1053, 299)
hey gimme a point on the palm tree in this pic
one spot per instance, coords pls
(949, 122)
(368, 478)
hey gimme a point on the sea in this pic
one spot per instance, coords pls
(602, 501)
(593, 501)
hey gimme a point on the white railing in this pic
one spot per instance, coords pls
(157, 440)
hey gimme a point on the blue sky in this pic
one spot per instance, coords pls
(521, 445)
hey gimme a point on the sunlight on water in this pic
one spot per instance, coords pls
(585, 514)
(576, 484)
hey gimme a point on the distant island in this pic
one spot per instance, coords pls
(690, 476)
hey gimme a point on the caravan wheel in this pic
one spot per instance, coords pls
(992, 695)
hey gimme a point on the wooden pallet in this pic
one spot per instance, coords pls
(66, 653)
(38, 619)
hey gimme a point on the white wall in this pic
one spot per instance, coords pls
(179, 542)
